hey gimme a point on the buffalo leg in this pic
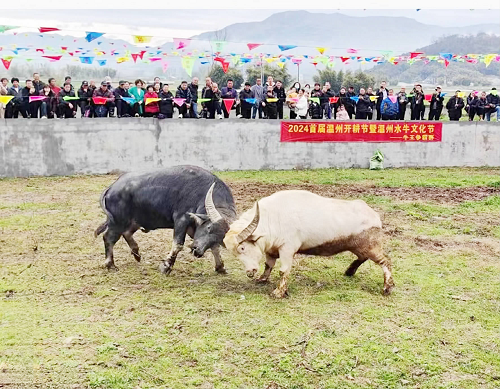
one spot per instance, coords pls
(351, 270)
(110, 237)
(219, 265)
(286, 257)
(134, 247)
(180, 230)
(270, 262)
(378, 256)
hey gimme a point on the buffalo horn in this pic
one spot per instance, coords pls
(212, 212)
(249, 230)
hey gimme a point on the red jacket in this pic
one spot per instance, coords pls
(151, 107)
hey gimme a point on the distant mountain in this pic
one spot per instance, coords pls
(338, 30)
(457, 73)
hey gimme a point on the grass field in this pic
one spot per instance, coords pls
(66, 322)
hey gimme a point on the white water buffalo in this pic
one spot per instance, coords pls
(297, 221)
(189, 199)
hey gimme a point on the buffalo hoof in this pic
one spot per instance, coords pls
(261, 281)
(388, 290)
(165, 268)
(110, 265)
(221, 270)
(350, 272)
(279, 293)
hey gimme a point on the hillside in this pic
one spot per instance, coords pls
(457, 73)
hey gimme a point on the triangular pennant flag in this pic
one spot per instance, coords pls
(344, 59)
(219, 46)
(142, 38)
(4, 28)
(225, 66)
(252, 46)
(129, 100)
(461, 94)
(272, 100)
(36, 98)
(6, 62)
(294, 99)
(286, 47)
(154, 59)
(164, 66)
(228, 103)
(47, 29)
(87, 60)
(251, 100)
(179, 101)
(187, 64)
(134, 57)
(99, 100)
(352, 51)
(55, 58)
(415, 54)
(5, 99)
(446, 63)
(219, 59)
(68, 98)
(446, 56)
(150, 100)
(393, 99)
(101, 62)
(428, 97)
(181, 43)
(355, 98)
(373, 98)
(314, 99)
(281, 65)
(321, 49)
(203, 100)
(92, 35)
(494, 92)
(333, 100)
(443, 94)
(235, 59)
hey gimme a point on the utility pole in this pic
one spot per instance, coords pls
(298, 72)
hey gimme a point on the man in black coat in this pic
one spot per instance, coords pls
(349, 104)
(193, 88)
(280, 93)
(381, 96)
(122, 107)
(454, 107)
(436, 104)
(246, 107)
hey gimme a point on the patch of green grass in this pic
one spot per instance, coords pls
(64, 320)
(452, 177)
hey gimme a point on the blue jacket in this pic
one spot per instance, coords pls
(388, 107)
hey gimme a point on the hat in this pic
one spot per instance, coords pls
(104, 83)
(85, 83)
(122, 82)
(247, 83)
(439, 86)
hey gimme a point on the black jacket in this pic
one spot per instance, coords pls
(62, 94)
(417, 99)
(480, 103)
(345, 100)
(454, 107)
(280, 94)
(120, 92)
(194, 92)
(315, 111)
(166, 102)
(492, 99)
(214, 99)
(380, 96)
(246, 95)
(18, 96)
(437, 101)
(38, 87)
(85, 95)
(183, 94)
(364, 104)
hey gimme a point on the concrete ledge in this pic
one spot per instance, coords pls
(97, 146)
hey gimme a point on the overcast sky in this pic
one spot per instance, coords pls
(186, 23)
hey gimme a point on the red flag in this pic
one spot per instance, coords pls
(446, 63)
(428, 97)
(64, 48)
(6, 63)
(225, 66)
(228, 103)
(344, 58)
(54, 57)
(415, 54)
(40, 50)
(141, 54)
(99, 100)
(219, 59)
(134, 57)
(47, 29)
(252, 46)
(334, 99)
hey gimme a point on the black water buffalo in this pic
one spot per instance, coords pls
(189, 199)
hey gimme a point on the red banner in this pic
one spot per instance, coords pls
(362, 131)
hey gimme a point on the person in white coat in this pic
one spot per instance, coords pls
(302, 105)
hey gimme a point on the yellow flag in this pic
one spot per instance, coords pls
(150, 100)
(281, 65)
(142, 38)
(122, 59)
(273, 100)
(321, 49)
(461, 94)
(5, 99)
(373, 98)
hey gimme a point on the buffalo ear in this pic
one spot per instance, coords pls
(198, 218)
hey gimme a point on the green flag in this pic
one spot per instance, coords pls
(67, 98)
(315, 99)
(203, 100)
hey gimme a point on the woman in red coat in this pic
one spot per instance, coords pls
(151, 109)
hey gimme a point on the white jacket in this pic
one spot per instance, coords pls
(302, 106)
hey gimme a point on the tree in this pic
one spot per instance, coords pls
(254, 72)
(358, 80)
(217, 75)
(326, 75)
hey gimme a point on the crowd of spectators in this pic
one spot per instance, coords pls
(266, 101)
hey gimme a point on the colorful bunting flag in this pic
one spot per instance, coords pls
(99, 100)
(415, 54)
(393, 99)
(6, 62)
(203, 100)
(179, 102)
(446, 63)
(187, 64)
(281, 65)
(321, 49)
(272, 100)
(314, 99)
(286, 47)
(150, 100)
(355, 98)
(87, 60)
(219, 46)
(428, 97)
(47, 29)
(225, 66)
(164, 66)
(228, 103)
(251, 100)
(252, 46)
(142, 38)
(5, 99)
(373, 98)
(129, 100)
(101, 62)
(4, 28)
(443, 94)
(344, 59)
(36, 98)
(352, 51)
(53, 57)
(68, 98)
(181, 43)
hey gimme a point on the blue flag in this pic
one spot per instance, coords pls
(129, 100)
(286, 47)
(87, 60)
(101, 62)
(93, 35)
(251, 101)
(355, 98)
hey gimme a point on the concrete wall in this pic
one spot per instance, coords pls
(64, 147)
